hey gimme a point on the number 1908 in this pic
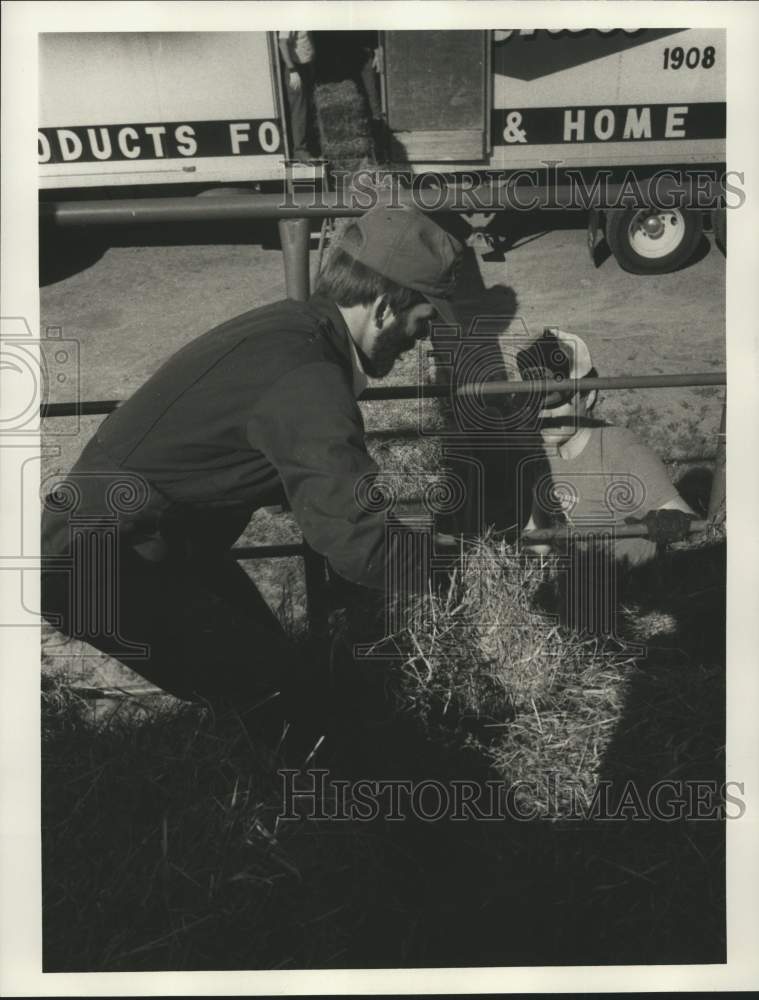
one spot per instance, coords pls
(677, 57)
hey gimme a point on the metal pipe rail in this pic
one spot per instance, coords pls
(495, 388)
(507, 388)
(502, 194)
(562, 533)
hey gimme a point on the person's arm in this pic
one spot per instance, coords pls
(309, 427)
(659, 505)
(536, 550)
(631, 461)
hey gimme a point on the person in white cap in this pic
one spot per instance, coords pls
(595, 474)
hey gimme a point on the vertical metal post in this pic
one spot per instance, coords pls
(294, 236)
(315, 568)
(719, 486)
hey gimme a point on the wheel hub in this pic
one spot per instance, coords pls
(653, 226)
(654, 234)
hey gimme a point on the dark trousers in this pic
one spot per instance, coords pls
(300, 106)
(197, 628)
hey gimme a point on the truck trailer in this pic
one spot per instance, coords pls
(146, 113)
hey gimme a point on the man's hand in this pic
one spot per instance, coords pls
(294, 80)
(444, 541)
(455, 544)
(665, 525)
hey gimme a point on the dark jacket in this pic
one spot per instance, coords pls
(259, 405)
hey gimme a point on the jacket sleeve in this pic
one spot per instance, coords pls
(309, 426)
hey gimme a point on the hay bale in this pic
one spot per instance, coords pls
(344, 125)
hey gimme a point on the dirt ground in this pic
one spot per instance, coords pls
(129, 298)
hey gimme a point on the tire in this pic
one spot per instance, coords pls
(651, 240)
(719, 228)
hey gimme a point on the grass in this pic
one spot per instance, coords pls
(162, 850)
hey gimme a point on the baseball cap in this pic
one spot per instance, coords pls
(408, 247)
(555, 355)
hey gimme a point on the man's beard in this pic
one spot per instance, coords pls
(387, 348)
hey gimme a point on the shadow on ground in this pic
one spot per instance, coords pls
(66, 252)
(161, 849)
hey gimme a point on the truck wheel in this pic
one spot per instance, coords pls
(652, 240)
(719, 228)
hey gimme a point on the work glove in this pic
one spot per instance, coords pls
(665, 525)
